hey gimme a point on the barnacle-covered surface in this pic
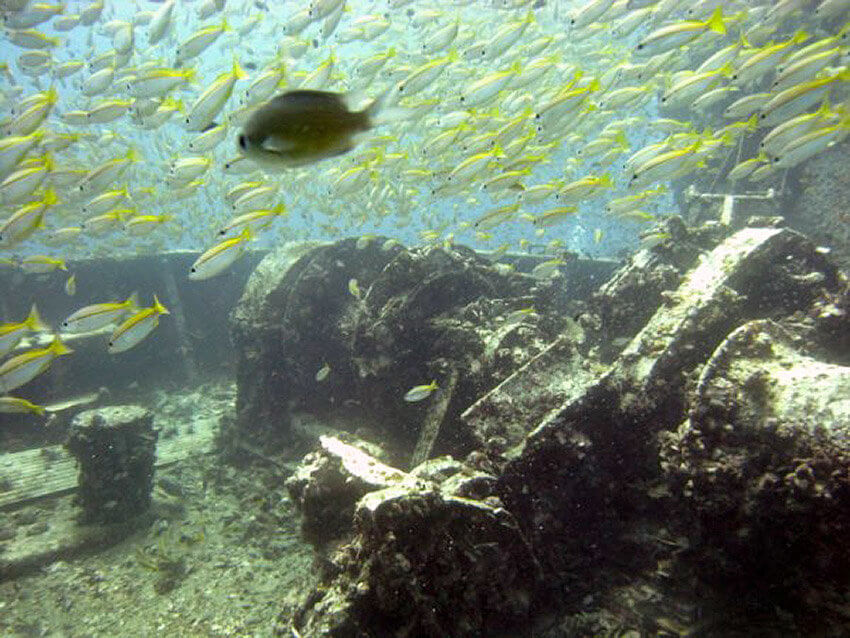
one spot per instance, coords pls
(762, 466)
(411, 316)
(328, 483)
(613, 505)
(623, 304)
(433, 553)
(115, 449)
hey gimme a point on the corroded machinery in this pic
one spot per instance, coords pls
(383, 319)
(675, 433)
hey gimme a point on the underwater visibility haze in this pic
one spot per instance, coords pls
(424, 318)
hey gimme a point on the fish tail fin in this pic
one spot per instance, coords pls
(159, 308)
(34, 321)
(799, 36)
(753, 123)
(377, 112)
(58, 348)
(715, 22)
(237, 70)
(50, 198)
(133, 301)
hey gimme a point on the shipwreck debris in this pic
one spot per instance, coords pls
(432, 555)
(761, 468)
(567, 439)
(115, 448)
(420, 314)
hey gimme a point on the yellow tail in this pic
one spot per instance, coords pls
(34, 322)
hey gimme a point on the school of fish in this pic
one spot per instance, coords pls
(129, 126)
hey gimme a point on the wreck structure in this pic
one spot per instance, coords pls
(677, 425)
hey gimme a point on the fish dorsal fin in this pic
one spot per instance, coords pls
(312, 98)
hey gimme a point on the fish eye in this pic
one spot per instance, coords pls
(241, 141)
(462, 98)
(194, 269)
(640, 46)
